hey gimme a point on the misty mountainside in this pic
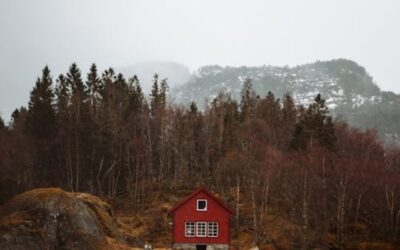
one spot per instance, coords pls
(176, 73)
(349, 90)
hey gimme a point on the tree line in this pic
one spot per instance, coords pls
(101, 134)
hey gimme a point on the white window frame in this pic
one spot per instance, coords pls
(197, 205)
(193, 225)
(197, 229)
(212, 230)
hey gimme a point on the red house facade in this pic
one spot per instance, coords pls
(201, 221)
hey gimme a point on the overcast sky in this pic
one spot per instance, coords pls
(117, 33)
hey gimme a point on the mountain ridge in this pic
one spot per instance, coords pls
(349, 90)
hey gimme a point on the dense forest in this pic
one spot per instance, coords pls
(101, 134)
(349, 90)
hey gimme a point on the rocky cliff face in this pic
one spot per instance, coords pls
(54, 219)
(349, 90)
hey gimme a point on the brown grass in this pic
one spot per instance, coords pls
(376, 246)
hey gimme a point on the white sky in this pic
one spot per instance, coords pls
(193, 32)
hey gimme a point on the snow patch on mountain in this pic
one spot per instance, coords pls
(348, 89)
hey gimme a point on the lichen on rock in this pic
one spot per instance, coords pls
(50, 218)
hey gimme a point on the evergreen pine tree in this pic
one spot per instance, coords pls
(288, 120)
(41, 126)
(193, 108)
(63, 140)
(136, 97)
(62, 95)
(247, 102)
(154, 96)
(93, 81)
(41, 121)
(94, 88)
(80, 126)
(314, 126)
(2, 124)
(163, 93)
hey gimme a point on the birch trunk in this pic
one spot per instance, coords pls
(237, 203)
(305, 211)
(253, 202)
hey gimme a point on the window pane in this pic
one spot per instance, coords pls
(190, 229)
(201, 204)
(201, 229)
(212, 229)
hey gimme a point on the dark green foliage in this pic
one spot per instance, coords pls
(2, 124)
(288, 120)
(158, 95)
(62, 95)
(93, 82)
(314, 126)
(154, 96)
(269, 109)
(247, 101)
(193, 108)
(95, 88)
(18, 119)
(41, 120)
(74, 80)
(163, 92)
(41, 126)
(136, 97)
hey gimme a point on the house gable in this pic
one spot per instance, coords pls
(212, 215)
(197, 194)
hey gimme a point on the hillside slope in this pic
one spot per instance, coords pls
(349, 90)
(50, 218)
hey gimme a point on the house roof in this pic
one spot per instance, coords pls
(193, 194)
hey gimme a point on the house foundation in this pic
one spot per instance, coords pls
(185, 246)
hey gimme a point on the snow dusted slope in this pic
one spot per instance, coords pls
(348, 89)
(340, 82)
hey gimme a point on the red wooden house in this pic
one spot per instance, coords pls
(201, 221)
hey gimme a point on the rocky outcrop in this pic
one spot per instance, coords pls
(51, 218)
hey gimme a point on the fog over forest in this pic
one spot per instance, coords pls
(194, 33)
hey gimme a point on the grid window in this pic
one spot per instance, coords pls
(190, 229)
(201, 205)
(212, 229)
(201, 229)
